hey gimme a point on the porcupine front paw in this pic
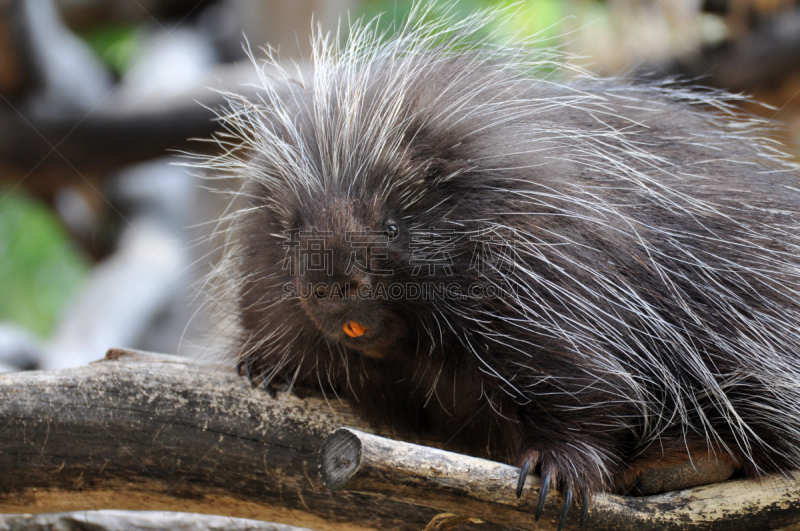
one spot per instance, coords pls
(571, 477)
(255, 370)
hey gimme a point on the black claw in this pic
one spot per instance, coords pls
(565, 510)
(248, 368)
(297, 392)
(269, 388)
(542, 496)
(523, 475)
(245, 368)
(584, 510)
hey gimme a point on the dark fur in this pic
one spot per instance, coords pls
(627, 300)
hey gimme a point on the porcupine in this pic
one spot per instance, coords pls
(643, 255)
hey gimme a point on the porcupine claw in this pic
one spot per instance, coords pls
(565, 510)
(297, 392)
(256, 381)
(523, 475)
(584, 510)
(542, 496)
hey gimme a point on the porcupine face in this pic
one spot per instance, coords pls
(347, 248)
(345, 213)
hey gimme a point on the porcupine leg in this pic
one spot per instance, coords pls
(676, 464)
(569, 474)
(253, 368)
(249, 366)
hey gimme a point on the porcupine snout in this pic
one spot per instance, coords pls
(341, 271)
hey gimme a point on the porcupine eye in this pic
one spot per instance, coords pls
(392, 231)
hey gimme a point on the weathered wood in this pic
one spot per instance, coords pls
(155, 433)
(146, 432)
(134, 521)
(353, 461)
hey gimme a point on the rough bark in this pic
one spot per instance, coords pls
(148, 432)
(134, 521)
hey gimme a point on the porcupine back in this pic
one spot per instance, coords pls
(648, 288)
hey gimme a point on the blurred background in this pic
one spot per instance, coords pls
(103, 241)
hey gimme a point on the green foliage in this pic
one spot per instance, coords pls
(538, 19)
(115, 45)
(39, 267)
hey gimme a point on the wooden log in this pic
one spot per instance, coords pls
(116, 132)
(358, 462)
(149, 432)
(134, 521)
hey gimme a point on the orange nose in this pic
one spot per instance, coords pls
(353, 329)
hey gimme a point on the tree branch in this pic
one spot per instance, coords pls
(353, 461)
(149, 432)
